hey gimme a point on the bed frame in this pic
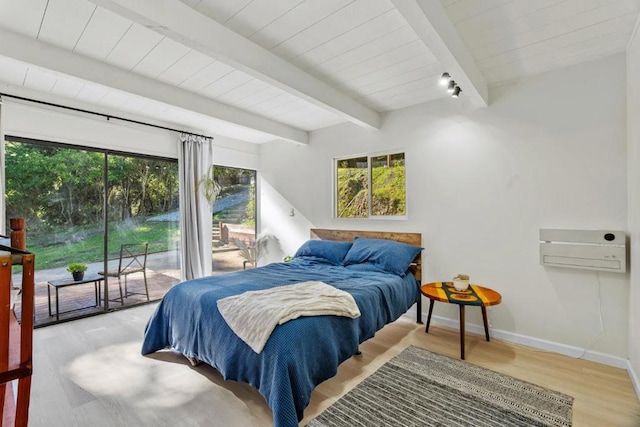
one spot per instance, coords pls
(414, 239)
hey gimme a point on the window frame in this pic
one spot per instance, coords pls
(369, 156)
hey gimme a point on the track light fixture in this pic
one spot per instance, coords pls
(452, 87)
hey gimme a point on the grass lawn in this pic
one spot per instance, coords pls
(85, 244)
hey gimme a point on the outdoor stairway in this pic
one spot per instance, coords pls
(215, 234)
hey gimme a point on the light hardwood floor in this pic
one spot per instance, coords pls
(90, 373)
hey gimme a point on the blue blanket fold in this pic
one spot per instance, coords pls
(301, 353)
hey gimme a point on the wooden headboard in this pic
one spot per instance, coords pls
(414, 239)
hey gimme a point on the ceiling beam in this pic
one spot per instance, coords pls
(50, 57)
(187, 26)
(432, 24)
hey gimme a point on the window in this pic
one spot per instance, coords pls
(384, 174)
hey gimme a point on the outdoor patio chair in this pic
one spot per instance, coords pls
(133, 259)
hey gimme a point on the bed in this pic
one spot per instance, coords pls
(300, 353)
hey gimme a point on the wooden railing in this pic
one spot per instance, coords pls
(16, 339)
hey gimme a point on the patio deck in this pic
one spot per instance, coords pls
(79, 300)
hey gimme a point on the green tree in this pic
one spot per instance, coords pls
(250, 210)
(57, 186)
(45, 184)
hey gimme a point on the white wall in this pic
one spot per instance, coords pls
(280, 218)
(45, 123)
(633, 137)
(549, 152)
(57, 125)
(53, 124)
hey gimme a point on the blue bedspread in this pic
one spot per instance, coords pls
(301, 353)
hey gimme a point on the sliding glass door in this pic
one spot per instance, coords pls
(142, 207)
(234, 220)
(81, 207)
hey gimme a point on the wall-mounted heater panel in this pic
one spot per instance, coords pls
(602, 250)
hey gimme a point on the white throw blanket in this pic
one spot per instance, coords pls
(253, 315)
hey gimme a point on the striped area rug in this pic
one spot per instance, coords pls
(421, 388)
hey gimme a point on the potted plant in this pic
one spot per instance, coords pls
(77, 270)
(461, 282)
(210, 186)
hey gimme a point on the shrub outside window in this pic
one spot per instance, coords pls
(384, 174)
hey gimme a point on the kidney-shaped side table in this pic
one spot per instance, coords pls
(474, 295)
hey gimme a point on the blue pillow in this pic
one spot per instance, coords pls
(330, 251)
(382, 255)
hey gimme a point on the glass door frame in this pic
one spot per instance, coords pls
(105, 207)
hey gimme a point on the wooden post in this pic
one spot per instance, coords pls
(18, 235)
(26, 340)
(16, 340)
(5, 313)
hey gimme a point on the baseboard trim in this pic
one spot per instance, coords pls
(634, 378)
(540, 344)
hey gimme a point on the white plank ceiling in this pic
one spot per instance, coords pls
(259, 70)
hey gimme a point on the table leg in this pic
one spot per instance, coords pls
(57, 306)
(429, 316)
(95, 288)
(486, 324)
(49, 299)
(462, 331)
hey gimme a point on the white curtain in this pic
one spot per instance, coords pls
(195, 159)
